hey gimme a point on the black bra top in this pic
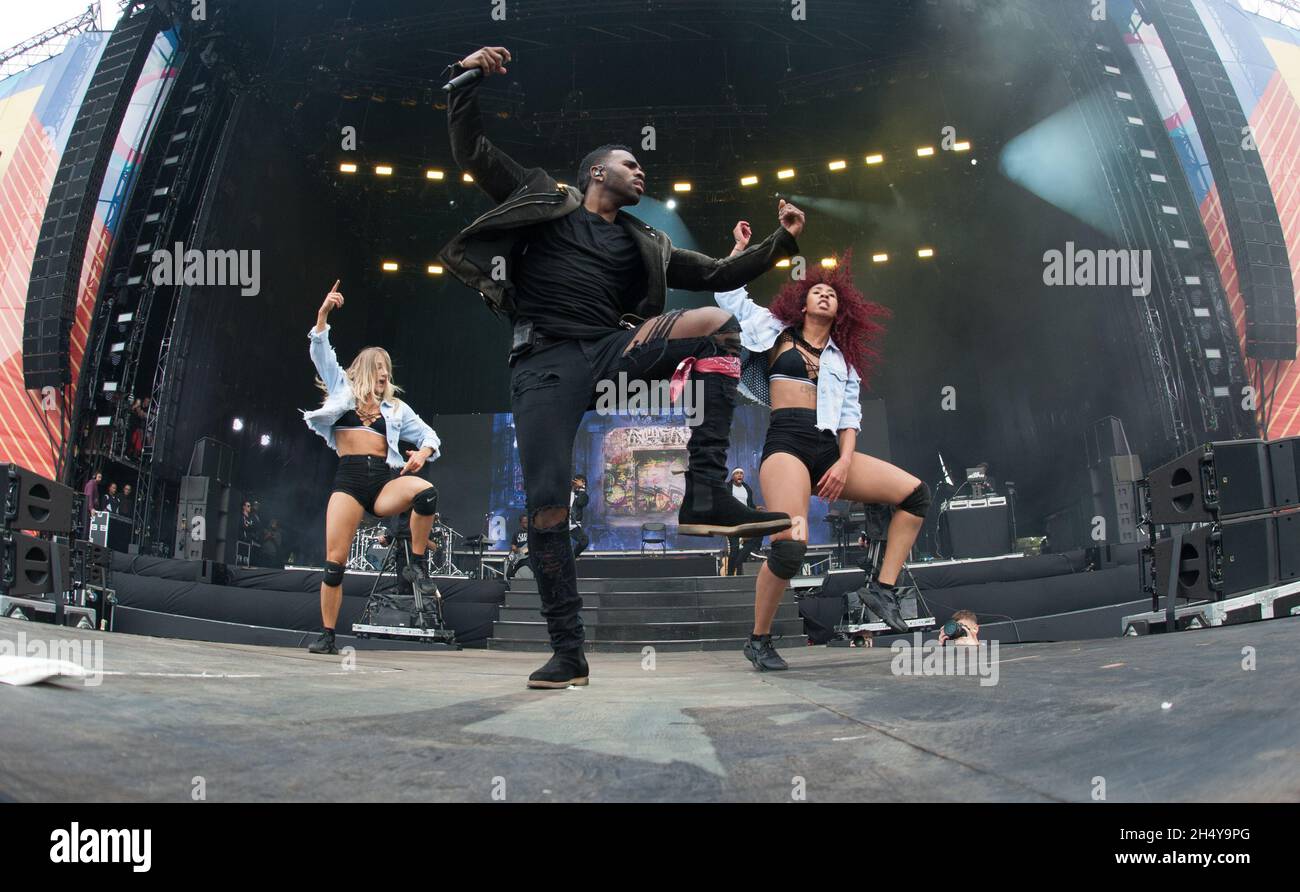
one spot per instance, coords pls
(791, 365)
(351, 421)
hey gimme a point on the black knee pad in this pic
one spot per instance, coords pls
(426, 503)
(333, 573)
(786, 558)
(918, 502)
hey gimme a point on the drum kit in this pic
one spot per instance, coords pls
(371, 545)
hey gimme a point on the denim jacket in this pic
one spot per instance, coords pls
(400, 419)
(838, 383)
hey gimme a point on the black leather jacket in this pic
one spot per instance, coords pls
(526, 196)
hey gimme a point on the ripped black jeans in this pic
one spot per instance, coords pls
(551, 387)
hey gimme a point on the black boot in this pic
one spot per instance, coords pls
(709, 509)
(886, 603)
(564, 668)
(760, 652)
(324, 644)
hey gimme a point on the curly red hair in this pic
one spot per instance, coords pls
(856, 330)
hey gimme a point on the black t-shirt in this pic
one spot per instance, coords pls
(521, 539)
(577, 275)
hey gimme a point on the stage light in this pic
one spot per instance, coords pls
(110, 386)
(434, 269)
(265, 439)
(561, 185)
(963, 146)
(785, 174)
(237, 424)
(879, 258)
(347, 167)
(875, 159)
(388, 266)
(681, 187)
(104, 421)
(466, 178)
(925, 151)
(837, 165)
(118, 347)
(783, 263)
(925, 252)
(749, 181)
(384, 170)
(125, 317)
(433, 174)
(671, 204)
(829, 262)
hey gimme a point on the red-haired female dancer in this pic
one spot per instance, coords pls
(808, 355)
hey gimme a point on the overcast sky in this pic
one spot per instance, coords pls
(22, 20)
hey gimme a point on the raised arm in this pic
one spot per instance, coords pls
(692, 271)
(495, 172)
(322, 354)
(737, 301)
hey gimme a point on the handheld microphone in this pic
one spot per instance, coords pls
(462, 79)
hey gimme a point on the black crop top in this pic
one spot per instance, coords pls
(791, 365)
(351, 421)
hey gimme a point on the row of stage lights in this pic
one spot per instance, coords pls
(680, 187)
(434, 269)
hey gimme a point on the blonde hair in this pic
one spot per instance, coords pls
(361, 376)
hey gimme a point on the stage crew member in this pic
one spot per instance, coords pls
(584, 284)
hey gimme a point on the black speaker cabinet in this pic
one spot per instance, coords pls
(979, 527)
(1217, 480)
(28, 568)
(1232, 558)
(33, 502)
(1284, 462)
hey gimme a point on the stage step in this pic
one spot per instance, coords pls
(643, 599)
(598, 617)
(636, 647)
(649, 584)
(688, 631)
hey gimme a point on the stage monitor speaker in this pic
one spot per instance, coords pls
(213, 459)
(1284, 463)
(978, 530)
(1232, 558)
(1216, 481)
(1113, 496)
(28, 567)
(33, 502)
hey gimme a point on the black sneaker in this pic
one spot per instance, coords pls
(417, 577)
(885, 604)
(564, 668)
(323, 645)
(711, 510)
(760, 651)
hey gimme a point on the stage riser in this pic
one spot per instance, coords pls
(601, 616)
(536, 631)
(682, 584)
(672, 599)
(636, 647)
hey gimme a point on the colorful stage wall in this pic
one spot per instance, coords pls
(37, 110)
(1262, 59)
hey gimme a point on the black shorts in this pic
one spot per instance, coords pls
(362, 477)
(795, 431)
